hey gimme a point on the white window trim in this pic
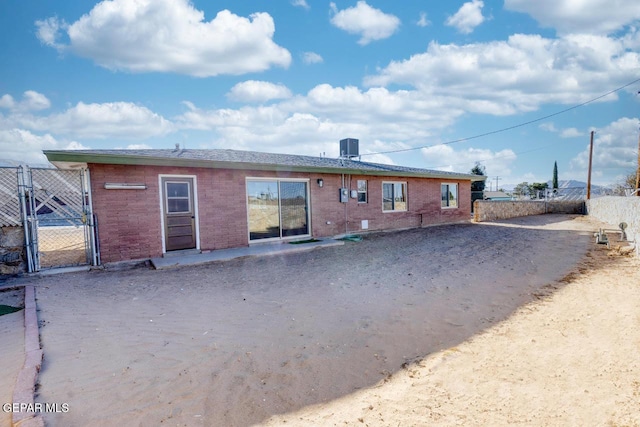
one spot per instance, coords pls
(366, 192)
(195, 207)
(406, 190)
(270, 179)
(457, 195)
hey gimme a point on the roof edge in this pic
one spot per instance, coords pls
(119, 159)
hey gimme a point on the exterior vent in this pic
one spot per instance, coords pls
(349, 148)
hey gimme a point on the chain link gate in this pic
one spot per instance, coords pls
(58, 222)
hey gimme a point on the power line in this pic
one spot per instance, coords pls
(510, 127)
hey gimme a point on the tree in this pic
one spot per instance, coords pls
(555, 176)
(626, 183)
(523, 189)
(537, 187)
(478, 169)
(477, 187)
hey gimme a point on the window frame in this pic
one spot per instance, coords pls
(448, 201)
(277, 181)
(188, 198)
(364, 192)
(393, 196)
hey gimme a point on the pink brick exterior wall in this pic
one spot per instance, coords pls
(129, 221)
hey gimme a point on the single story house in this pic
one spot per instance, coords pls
(151, 202)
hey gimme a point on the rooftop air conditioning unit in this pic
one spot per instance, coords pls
(349, 148)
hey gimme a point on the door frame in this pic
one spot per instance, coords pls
(278, 180)
(195, 207)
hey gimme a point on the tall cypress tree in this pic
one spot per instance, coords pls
(554, 184)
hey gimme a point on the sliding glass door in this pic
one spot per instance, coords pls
(277, 208)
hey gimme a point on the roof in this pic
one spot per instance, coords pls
(237, 159)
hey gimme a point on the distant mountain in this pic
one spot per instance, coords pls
(561, 184)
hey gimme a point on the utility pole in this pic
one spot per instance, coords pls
(590, 162)
(497, 179)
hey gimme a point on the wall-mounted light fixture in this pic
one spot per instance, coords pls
(320, 182)
(124, 186)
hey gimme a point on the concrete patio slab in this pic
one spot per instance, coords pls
(229, 254)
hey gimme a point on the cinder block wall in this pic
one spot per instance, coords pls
(614, 210)
(490, 210)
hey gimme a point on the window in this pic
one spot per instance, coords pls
(449, 195)
(394, 196)
(178, 200)
(362, 191)
(277, 208)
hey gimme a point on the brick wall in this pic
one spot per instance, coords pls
(129, 221)
(490, 210)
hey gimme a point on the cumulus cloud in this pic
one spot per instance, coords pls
(48, 31)
(369, 23)
(22, 146)
(258, 91)
(615, 150)
(468, 17)
(169, 36)
(301, 3)
(563, 133)
(447, 158)
(579, 16)
(423, 21)
(571, 133)
(137, 147)
(31, 101)
(317, 120)
(516, 75)
(96, 121)
(311, 58)
(75, 145)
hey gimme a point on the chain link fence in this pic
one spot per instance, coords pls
(57, 201)
(9, 201)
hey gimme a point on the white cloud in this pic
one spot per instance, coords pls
(369, 23)
(137, 147)
(311, 58)
(7, 102)
(169, 36)
(108, 120)
(579, 16)
(615, 151)
(258, 91)
(75, 145)
(48, 31)
(468, 17)
(31, 101)
(301, 3)
(516, 75)
(446, 157)
(571, 133)
(25, 147)
(322, 117)
(423, 21)
(549, 127)
(563, 133)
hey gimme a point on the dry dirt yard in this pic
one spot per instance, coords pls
(524, 321)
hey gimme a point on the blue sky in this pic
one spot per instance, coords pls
(296, 76)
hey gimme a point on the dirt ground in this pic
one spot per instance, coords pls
(11, 347)
(523, 321)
